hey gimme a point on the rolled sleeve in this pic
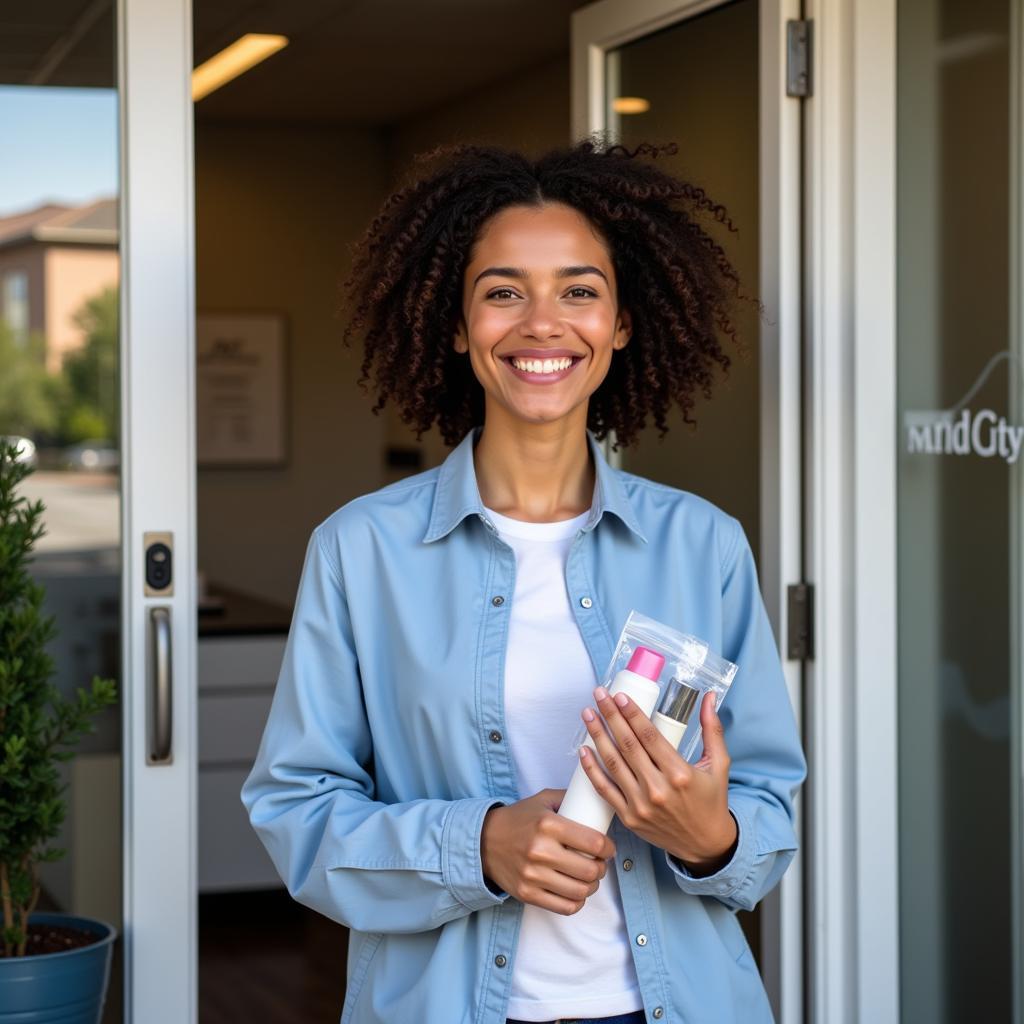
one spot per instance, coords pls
(767, 764)
(461, 864)
(733, 882)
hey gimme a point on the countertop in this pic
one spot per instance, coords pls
(242, 614)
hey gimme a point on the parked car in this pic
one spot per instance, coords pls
(94, 454)
(26, 449)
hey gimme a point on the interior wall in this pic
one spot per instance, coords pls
(276, 208)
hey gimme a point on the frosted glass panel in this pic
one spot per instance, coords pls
(957, 378)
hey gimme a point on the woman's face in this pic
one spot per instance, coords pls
(540, 286)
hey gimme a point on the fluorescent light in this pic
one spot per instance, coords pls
(630, 105)
(234, 60)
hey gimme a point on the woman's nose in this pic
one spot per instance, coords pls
(541, 320)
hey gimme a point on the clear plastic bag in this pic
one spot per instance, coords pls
(688, 669)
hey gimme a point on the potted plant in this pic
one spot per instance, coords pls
(52, 966)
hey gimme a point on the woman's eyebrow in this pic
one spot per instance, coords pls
(521, 272)
(578, 271)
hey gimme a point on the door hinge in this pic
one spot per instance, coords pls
(800, 621)
(799, 39)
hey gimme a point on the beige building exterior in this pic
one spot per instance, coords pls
(52, 260)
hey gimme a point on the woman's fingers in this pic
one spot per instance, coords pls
(607, 764)
(567, 885)
(550, 893)
(558, 878)
(588, 841)
(625, 721)
(604, 787)
(716, 754)
(663, 755)
(625, 760)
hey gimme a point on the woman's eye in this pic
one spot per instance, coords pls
(577, 292)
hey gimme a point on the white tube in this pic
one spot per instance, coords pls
(639, 682)
(672, 729)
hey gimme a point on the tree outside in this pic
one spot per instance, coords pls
(78, 403)
(27, 405)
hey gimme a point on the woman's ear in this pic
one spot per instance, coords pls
(460, 341)
(623, 329)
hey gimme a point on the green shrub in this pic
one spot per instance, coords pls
(38, 726)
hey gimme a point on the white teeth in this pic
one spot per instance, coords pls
(541, 365)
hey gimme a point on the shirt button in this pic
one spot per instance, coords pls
(586, 602)
(495, 736)
(627, 865)
(641, 939)
(500, 960)
(497, 600)
(657, 1013)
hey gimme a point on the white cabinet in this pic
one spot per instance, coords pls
(237, 675)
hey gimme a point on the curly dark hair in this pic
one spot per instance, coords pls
(406, 280)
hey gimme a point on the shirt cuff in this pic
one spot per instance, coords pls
(461, 861)
(729, 879)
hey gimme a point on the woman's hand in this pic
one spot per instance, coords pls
(534, 854)
(679, 807)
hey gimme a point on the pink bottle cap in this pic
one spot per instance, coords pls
(646, 663)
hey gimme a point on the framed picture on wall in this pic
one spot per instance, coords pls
(241, 415)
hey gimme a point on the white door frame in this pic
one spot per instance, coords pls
(158, 494)
(853, 919)
(597, 28)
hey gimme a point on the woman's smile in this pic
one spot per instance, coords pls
(541, 368)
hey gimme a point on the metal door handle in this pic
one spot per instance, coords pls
(160, 687)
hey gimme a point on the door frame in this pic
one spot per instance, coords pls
(602, 26)
(849, 308)
(158, 481)
(851, 460)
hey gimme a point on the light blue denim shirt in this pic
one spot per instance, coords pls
(386, 743)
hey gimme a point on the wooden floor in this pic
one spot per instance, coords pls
(264, 958)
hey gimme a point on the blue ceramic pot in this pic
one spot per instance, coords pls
(58, 988)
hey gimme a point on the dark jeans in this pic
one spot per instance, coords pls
(636, 1017)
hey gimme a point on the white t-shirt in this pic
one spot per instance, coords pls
(580, 965)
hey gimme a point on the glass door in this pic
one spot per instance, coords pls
(959, 388)
(710, 77)
(95, 382)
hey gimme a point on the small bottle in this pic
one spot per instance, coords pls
(674, 710)
(639, 681)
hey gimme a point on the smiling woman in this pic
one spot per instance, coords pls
(449, 627)
(622, 253)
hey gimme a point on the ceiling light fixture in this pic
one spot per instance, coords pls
(234, 60)
(630, 105)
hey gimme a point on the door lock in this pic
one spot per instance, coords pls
(159, 581)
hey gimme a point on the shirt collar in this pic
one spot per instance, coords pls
(457, 494)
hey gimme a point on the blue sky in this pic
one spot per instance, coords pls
(57, 145)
